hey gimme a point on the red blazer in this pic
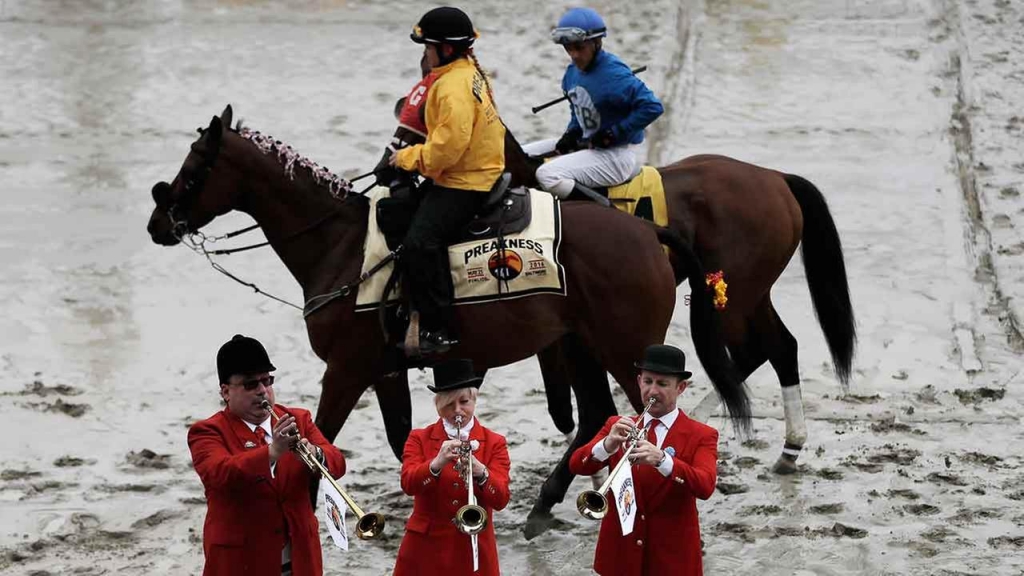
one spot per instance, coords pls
(249, 513)
(666, 533)
(432, 544)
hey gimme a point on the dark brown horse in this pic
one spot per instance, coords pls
(620, 295)
(746, 221)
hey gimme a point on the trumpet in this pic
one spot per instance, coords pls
(593, 504)
(368, 525)
(470, 519)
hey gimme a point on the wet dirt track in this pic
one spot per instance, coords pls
(904, 113)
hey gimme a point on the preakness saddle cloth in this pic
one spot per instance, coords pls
(481, 270)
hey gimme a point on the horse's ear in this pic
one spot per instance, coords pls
(214, 133)
(225, 116)
(398, 107)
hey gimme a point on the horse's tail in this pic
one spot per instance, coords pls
(707, 333)
(826, 275)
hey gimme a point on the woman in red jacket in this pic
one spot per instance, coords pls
(432, 544)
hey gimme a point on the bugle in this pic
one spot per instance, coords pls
(470, 519)
(368, 525)
(593, 504)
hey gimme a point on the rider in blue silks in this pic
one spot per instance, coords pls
(609, 106)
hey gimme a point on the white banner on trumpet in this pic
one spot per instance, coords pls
(335, 511)
(625, 498)
(476, 552)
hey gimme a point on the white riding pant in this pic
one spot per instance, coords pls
(592, 168)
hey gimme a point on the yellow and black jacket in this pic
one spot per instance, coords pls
(465, 147)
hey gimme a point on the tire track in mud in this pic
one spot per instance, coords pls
(979, 238)
(679, 80)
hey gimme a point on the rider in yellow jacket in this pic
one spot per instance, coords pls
(465, 147)
(462, 158)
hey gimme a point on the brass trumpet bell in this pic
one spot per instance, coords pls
(471, 519)
(370, 525)
(591, 504)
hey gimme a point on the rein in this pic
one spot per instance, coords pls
(196, 241)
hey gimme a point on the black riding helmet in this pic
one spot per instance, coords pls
(445, 25)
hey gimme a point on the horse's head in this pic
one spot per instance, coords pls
(204, 188)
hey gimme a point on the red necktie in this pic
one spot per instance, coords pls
(652, 432)
(261, 436)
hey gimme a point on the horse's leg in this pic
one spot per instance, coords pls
(557, 375)
(396, 408)
(594, 401)
(340, 390)
(783, 357)
(342, 386)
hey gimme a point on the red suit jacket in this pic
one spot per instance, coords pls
(249, 513)
(432, 544)
(666, 533)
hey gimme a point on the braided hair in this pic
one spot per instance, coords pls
(480, 70)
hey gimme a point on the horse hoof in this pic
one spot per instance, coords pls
(784, 466)
(537, 523)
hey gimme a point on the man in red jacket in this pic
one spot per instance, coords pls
(259, 521)
(672, 467)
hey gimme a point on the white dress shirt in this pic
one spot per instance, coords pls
(660, 431)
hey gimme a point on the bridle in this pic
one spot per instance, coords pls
(196, 240)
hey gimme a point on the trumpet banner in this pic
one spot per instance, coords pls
(335, 511)
(624, 491)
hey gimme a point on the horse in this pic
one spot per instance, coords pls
(745, 221)
(619, 299)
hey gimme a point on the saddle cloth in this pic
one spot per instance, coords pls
(643, 196)
(480, 273)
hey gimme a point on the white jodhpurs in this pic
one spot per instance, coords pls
(593, 168)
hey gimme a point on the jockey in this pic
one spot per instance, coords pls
(462, 158)
(609, 105)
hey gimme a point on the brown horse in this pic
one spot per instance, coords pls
(620, 287)
(747, 222)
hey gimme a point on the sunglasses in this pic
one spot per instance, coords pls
(254, 383)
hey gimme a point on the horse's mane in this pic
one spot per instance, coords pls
(289, 159)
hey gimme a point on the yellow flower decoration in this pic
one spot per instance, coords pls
(716, 281)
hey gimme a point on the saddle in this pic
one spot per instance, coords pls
(505, 211)
(643, 196)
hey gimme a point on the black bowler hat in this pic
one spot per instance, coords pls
(242, 355)
(664, 359)
(454, 374)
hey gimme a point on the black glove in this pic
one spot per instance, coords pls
(385, 172)
(569, 142)
(604, 139)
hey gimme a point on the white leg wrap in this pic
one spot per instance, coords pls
(796, 428)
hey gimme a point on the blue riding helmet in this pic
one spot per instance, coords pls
(577, 25)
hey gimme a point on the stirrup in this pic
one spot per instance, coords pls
(435, 342)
